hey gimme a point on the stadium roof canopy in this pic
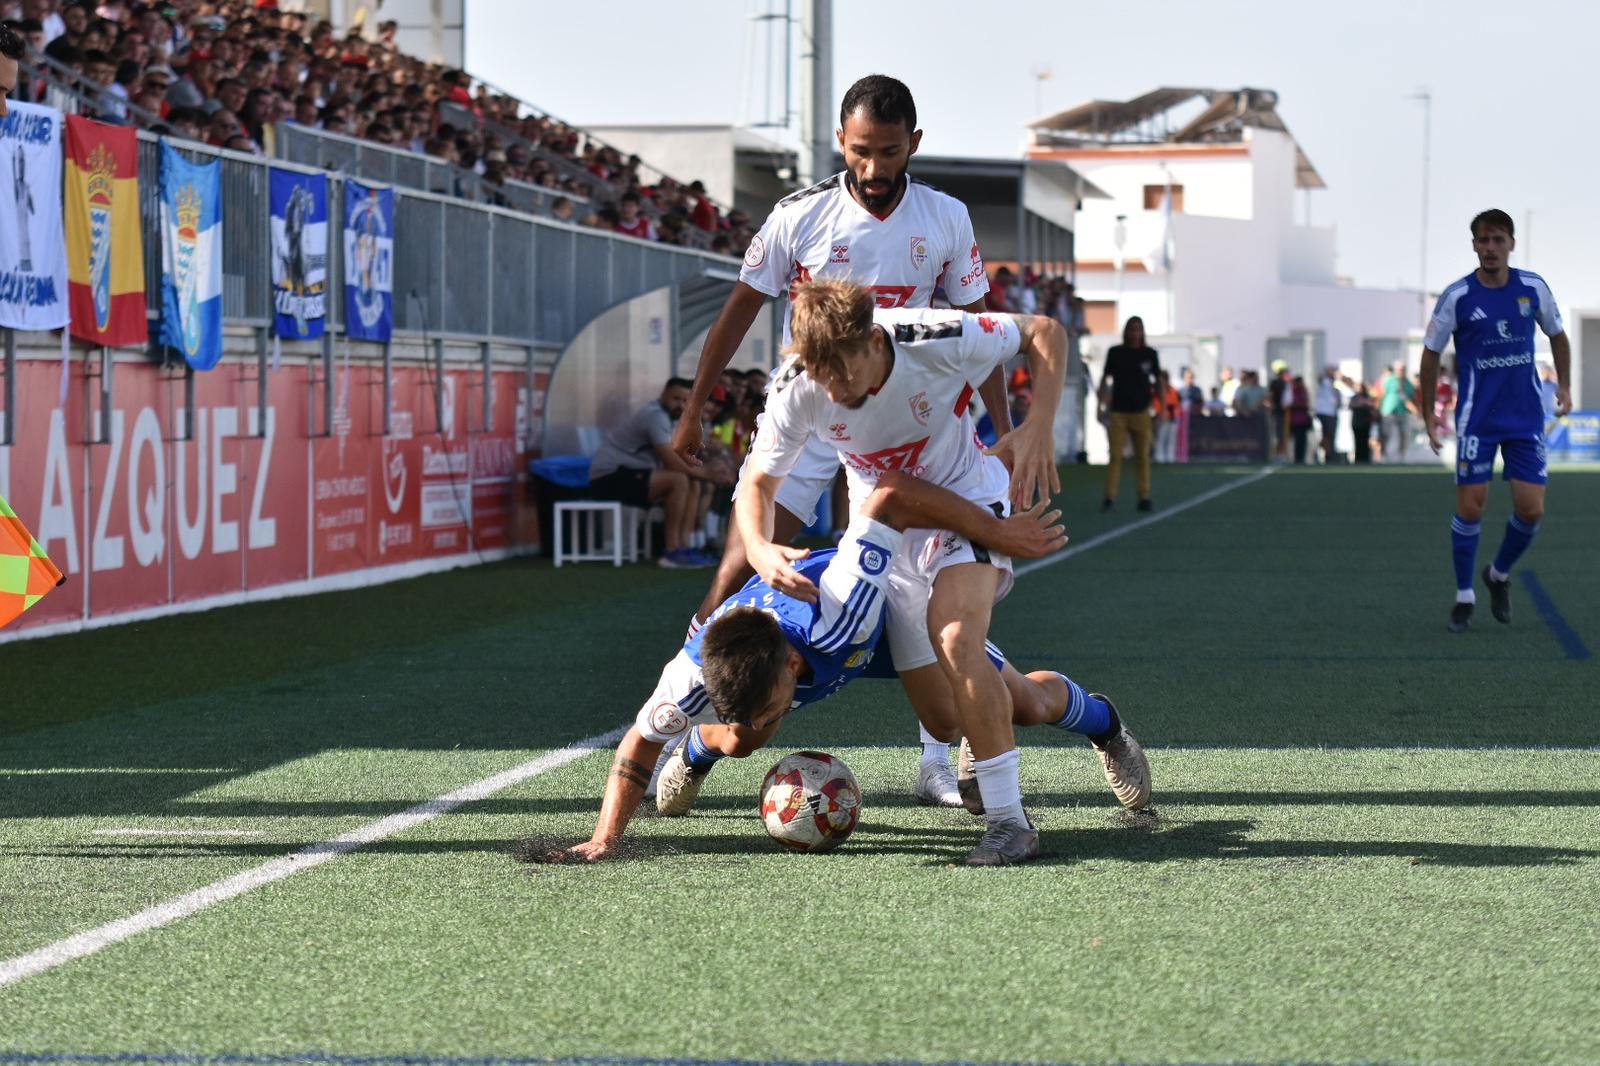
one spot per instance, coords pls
(1163, 116)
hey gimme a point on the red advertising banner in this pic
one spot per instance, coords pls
(139, 520)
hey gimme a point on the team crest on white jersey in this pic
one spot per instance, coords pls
(756, 254)
(919, 251)
(920, 410)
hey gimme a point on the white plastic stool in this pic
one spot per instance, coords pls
(614, 533)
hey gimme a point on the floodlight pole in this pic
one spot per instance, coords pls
(1427, 144)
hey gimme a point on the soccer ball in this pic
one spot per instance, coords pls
(810, 801)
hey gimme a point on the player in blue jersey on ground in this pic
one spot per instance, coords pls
(764, 653)
(1491, 313)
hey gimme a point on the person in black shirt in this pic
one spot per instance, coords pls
(1126, 389)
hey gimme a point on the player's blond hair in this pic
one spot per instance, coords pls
(829, 317)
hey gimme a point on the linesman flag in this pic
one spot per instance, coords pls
(26, 573)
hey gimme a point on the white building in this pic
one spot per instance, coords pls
(1199, 236)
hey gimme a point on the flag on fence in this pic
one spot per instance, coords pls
(26, 573)
(368, 262)
(299, 253)
(105, 252)
(33, 249)
(191, 257)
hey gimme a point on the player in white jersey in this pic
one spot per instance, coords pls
(904, 239)
(889, 389)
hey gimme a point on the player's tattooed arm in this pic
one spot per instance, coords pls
(625, 785)
(630, 771)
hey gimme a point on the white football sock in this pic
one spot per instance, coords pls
(1001, 788)
(1466, 596)
(933, 749)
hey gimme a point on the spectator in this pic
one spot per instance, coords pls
(1127, 389)
(1215, 408)
(561, 209)
(1168, 406)
(1250, 396)
(1299, 417)
(630, 222)
(996, 299)
(1278, 408)
(1363, 414)
(1327, 409)
(1228, 386)
(637, 466)
(1191, 395)
(1397, 401)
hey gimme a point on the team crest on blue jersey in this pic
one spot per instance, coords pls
(873, 558)
(859, 656)
(1525, 305)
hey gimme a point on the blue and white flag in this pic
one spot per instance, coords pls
(299, 253)
(33, 240)
(191, 257)
(368, 262)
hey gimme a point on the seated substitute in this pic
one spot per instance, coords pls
(764, 653)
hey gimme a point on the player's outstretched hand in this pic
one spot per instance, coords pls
(1563, 402)
(588, 851)
(1031, 449)
(1432, 425)
(775, 564)
(1031, 533)
(687, 440)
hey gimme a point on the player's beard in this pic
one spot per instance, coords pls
(881, 201)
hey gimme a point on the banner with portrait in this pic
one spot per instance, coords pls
(33, 242)
(299, 253)
(368, 262)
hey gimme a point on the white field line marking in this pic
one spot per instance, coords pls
(87, 943)
(132, 832)
(1122, 531)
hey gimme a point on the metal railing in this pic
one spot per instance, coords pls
(462, 270)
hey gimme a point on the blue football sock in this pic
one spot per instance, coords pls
(696, 754)
(1519, 535)
(1464, 548)
(1085, 713)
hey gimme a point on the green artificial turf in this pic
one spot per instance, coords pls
(1376, 841)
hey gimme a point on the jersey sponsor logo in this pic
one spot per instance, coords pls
(1500, 362)
(974, 274)
(977, 260)
(841, 254)
(837, 431)
(873, 558)
(756, 254)
(892, 295)
(900, 457)
(1505, 330)
(920, 408)
(667, 719)
(989, 324)
(1477, 315)
(1525, 306)
(919, 251)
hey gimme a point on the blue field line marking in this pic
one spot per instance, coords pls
(1570, 641)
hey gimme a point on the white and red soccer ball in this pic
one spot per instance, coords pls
(810, 801)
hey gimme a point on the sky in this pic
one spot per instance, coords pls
(1511, 86)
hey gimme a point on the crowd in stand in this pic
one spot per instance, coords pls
(225, 73)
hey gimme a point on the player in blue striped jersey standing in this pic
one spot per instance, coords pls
(1491, 313)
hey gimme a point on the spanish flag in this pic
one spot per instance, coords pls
(26, 573)
(105, 252)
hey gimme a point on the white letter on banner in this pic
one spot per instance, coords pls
(263, 531)
(191, 537)
(105, 553)
(55, 508)
(224, 481)
(146, 533)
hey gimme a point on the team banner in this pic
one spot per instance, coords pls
(299, 253)
(33, 249)
(105, 252)
(191, 257)
(368, 262)
(26, 572)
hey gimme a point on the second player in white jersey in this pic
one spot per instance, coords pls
(916, 421)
